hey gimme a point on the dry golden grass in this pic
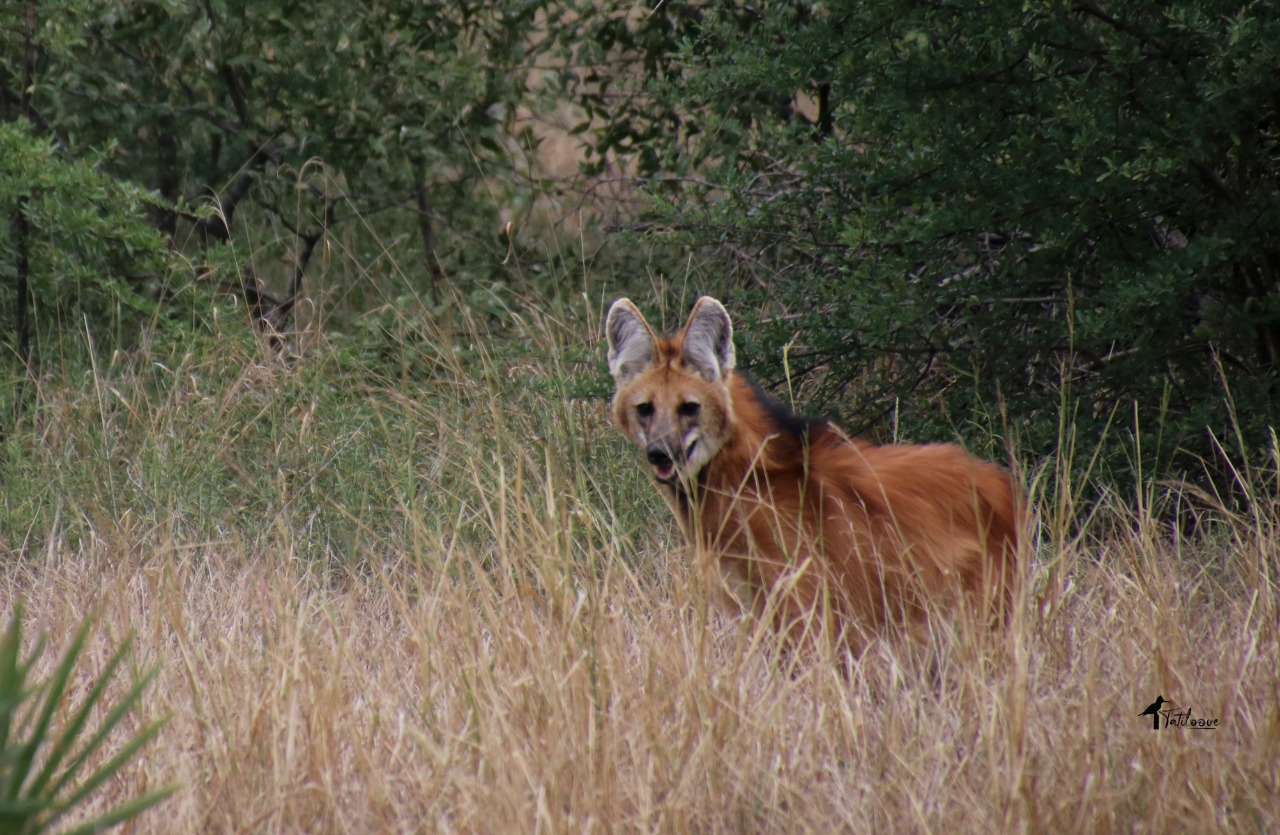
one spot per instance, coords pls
(408, 698)
(506, 637)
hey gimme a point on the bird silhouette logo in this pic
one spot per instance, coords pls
(1153, 710)
(1176, 716)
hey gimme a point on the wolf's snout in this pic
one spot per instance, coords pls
(659, 456)
(664, 465)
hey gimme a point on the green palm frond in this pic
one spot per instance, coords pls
(41, 761)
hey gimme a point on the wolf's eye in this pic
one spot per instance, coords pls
(688, 409)
(645, 410)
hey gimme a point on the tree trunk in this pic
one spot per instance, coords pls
(21, 227)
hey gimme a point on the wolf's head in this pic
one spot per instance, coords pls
(671, 396)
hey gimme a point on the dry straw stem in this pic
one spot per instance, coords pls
(502, 689)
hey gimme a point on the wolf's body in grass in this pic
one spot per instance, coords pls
(792, 518)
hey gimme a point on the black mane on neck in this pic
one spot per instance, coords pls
(786, 421)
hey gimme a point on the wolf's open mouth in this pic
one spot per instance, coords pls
(665, 470)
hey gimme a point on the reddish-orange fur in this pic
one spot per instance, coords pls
(793, 518)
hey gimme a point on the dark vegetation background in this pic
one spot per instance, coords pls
(1045, 223)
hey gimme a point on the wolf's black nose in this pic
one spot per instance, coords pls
(658, 455)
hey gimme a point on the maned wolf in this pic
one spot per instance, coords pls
(791, 519)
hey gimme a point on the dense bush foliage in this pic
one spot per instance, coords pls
(960, 209)
(946, 218)
(79, 239)
(282, 131)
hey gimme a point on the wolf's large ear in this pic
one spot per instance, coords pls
(708, 340)
(632, 345)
